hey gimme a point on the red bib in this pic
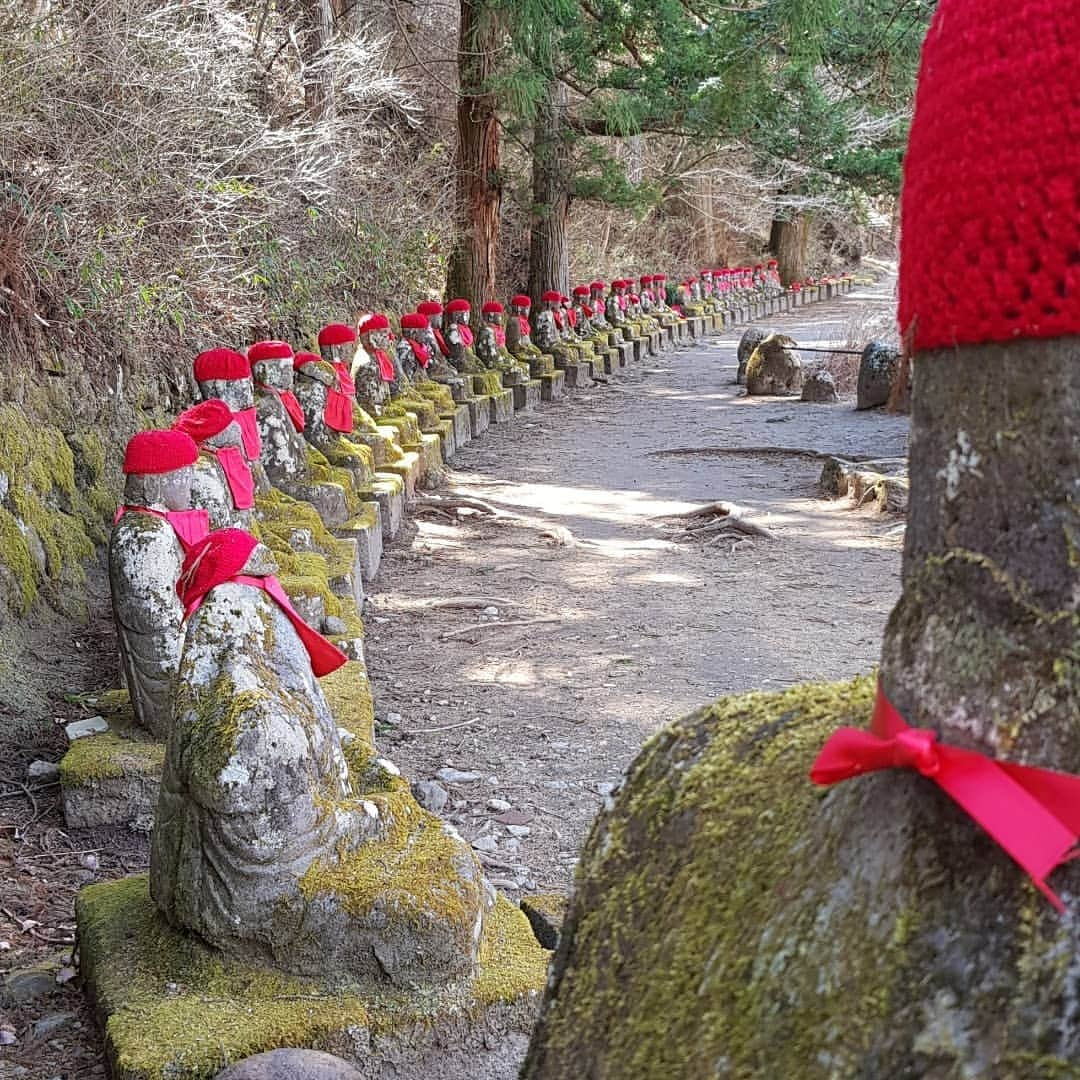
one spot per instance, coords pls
(386, 366)
(249, 429)
(420, 351)
(288, 399)
(190, 526)
(237, 473)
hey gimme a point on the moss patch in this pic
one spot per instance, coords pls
(110, 756)
(348, 693)
(175, 1010)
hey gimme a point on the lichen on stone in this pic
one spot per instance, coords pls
(110, 756)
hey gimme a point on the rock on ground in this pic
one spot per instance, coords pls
(773, 368)
(290, 1065)
(878, 368)
(820, 388)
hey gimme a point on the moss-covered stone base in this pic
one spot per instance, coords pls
(175, 1010)
(732, 920)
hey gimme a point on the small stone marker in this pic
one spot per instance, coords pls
(91, 725)
(290, 1065)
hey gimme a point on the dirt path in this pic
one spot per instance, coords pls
(637, 629)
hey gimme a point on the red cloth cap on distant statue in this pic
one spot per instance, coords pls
(270, 350)
(150, 453)
(373, 323)
(414, 321)
(458, 305)
(521, 300)
(221, 365)
(205, 420)
(302, 358)
(581, 290)
(336, 334)
(429, 307)
(552, 297)
(492, 307)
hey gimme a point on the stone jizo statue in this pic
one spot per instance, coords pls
(460, 338)
(153, 529)
(491, 346)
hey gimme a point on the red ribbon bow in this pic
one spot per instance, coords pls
(1033, 814)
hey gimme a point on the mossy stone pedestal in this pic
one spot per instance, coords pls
(526, 395)
(502, 407)
(577, 373)
(552, 385)
(479, 414)
(389, 492)
(174, 1009)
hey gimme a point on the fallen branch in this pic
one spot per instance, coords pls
(466, 630)
(446, 503)
(467, 602)
(446, 727)
(746, 451)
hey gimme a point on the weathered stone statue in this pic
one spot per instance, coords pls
(459, 337)
(373, 369)
(225, 374)
(262, 845)
(151, 533)
(491, 346)
(432, 338)
(222, 482)
(412, 354)
(599, 317)
(550, 329)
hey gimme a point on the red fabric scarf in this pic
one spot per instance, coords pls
(237, 474)
(1034, 814)
(558, 319)
(386, 366)
(500, 336)
(523, 326)
(420, 351)
(572, 317)
(440, 341)
(249, 429)
(588, 310)
(288, 399)
(466, 334)
(190, 526)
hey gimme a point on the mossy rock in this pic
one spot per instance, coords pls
(752, 337)
(773, 369)
(732, 920)
(108, 779)
(174, 1009)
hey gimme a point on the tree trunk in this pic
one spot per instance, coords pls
(788, 241)
(315, 28)
(549, 263)
(472, 272)
(983, 645)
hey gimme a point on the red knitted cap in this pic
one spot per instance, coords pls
(581, 290)
(336, 334)
(302, 358)
(565, 299)
(374, 322)
(429, 307)
(521, 300)
(205, 420)
(492, 307)
(152, 452)
(552, 297)
(659, 277)
(990, 248)
(596, 286)
(270, 350)
(645, 279)
(459, 305)
(221, 364)
(415, 321)
(772, 263)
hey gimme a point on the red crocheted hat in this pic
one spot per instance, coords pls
(429, 307)
(492, 307)
(772, 262)
(458, 305)
(205, 420)
(302, 358)
(336, 334)
(645, 279)
(221, 365)
(580, 290)
(596, 286)
(374, 322)
(991, 200)
(659, 277)
(552, 297)
(564, 299)
(270, 350)
(414, 321)
(521, 300)
(152, 452)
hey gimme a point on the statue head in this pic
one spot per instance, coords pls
(225, 374)
(414, 326)
(493, 313)
(210, 423)
(520, 304)
(432, 310)
(309, 365)
(581, 294)
(552, 300)
(337, 343)
(459, 310)
(375, 332)
(272, 364)
(596, 290)
(158, 470)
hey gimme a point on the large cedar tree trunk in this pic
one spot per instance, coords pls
(549, 263)
(788, 241)
(479, 186)
(315, 29)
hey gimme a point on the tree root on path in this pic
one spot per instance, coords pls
(450, 506)
(465, 631)
(749, 451)
(719, 517)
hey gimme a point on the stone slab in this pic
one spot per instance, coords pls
(111, 780)
(408, 468)
(502, 407)
(445, 430)
(626, 353)
(462, 426)
(479, 415)
(171, 1007)
(367, 531)
(527, 396)
(432, 465)
(388, 491)
(349, 584)
(578, 373)
(552, 386)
